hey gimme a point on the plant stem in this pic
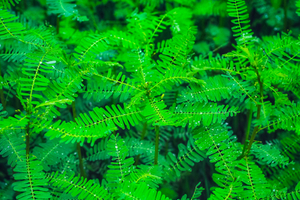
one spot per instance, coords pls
(57, 24)
(258, 111)
(247, 131)
(82, 172)
(2, 97)
(156, 144)
(142, 138)
(285, 15)
(27, 139)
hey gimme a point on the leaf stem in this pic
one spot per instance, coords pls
(156, 144)
(2, 97)
(82, 172)
(142, 138)
(255, 131)
(247, 131)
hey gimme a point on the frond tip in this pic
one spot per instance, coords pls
(241, 30)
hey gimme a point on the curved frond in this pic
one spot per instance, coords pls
(120, 166)
(65, 8)
(80, 186)
(30, 179)
(238, 10)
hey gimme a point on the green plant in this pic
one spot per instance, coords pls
(136, 93)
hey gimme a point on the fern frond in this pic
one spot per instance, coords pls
(173, 77)
(13, 123)
(90, 46)
(99, 152)
(65, 8)
(256, 184)
(269, 155)
(6, 3)
(194, 114)
(35, 66)
(188, 155)
(120, 80)
(13, 146)
(198, 191)
(64, 88)
(120, 167)
(114, 116)
(286, 118)
(285, 178)
(100, 90)
(71, 132)
(31, 180)
(151, 175)
(140, 191)
(241, 30)
(175, 53)
(283, 194)
(215, 89)
(298, 7)
(88, 190)
(136, 147)
(8, 27)
(14, 53)
(51, 153)
(289, 145)
(156, 113)
(223, 150)
(2, 113)
(11, 77)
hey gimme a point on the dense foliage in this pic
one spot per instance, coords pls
(149, 99)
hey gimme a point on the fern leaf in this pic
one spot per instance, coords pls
(13, 123)
(30, 179)
(51, 153)
(15, 53)
(6, 3)
(70, 132)
(35, 81)
(177, 49)
(99, 151)
(286, 118)
(298, 7)
(139, 147)
(120, 167)
(9, 28)
(140, 191)
(64, 88)
(197, 192)
(209, 113)
(173, 77)
(2, 113)
(151, 175)
(285, 178)
(256, 184)
(90, 46)
(215, 89)
(223, 150)
(269, 155)
(65, 8)
(88, 190)
(188, 155)
(13, 146)
(156, 113)
(241, 30)
(115, 115)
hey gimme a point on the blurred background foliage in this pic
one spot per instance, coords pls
(214, 37)
(214, 34)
